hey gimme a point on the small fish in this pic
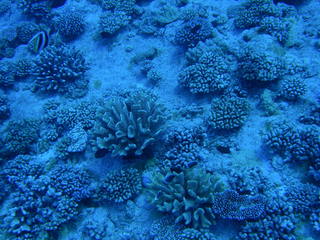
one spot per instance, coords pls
(39, 41)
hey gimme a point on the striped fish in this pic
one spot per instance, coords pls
(39, 42)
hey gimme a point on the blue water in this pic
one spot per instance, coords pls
(159, 120)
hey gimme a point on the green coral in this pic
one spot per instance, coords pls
(187, 195)
(127, 126)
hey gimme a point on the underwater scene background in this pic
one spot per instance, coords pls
(160, 119)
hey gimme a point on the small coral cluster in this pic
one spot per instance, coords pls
(228, 113)
(296, 145)
(118, 14)
(260, 66)
(128, 126)
(210, 74)
(193, 31)
(292, 88)
(61, 69)
(187, 195)
(119, 186)
(184, 147)
(279, 223)
(71, 25)
(40, 202)
(252, 12)
(19, 137)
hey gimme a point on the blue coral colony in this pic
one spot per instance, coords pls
(160, 120)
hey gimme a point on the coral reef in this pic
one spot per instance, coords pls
(260, 66)
(189, 234)
(6, 75)
(248, 181)
(111, 22)
(303, 197)
(26, 30)
(252, 12)
(71, 25)
(292, 88)
(164, 229)
(187, 195)
(39, 9)
(279, 223)
(5, 6)
(231, 205)
(312, 118)
(19, 137)
(193, 31)
(210, 74)
(127, 126)
(228, 113)
(300, 145)
(23, 69)
(40, 203)
(184, 147)
(119, 186)
(64, 117)
(4, 108)
(61, 69)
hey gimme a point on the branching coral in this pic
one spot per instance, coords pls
(19, 137)
(119, 186)
(259, 66)
(40, 203)
(193, 31)
(292, 88)
(184, 146)
(279, 223)
(128, 126)
(301, 145)
(71, 25)
(228, 113)
(60, 69)
(210, 74)
(187, 195)
(252, 12)
(110, 23)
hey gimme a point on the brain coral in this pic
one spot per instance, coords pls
(187, 195)
(127, 126)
